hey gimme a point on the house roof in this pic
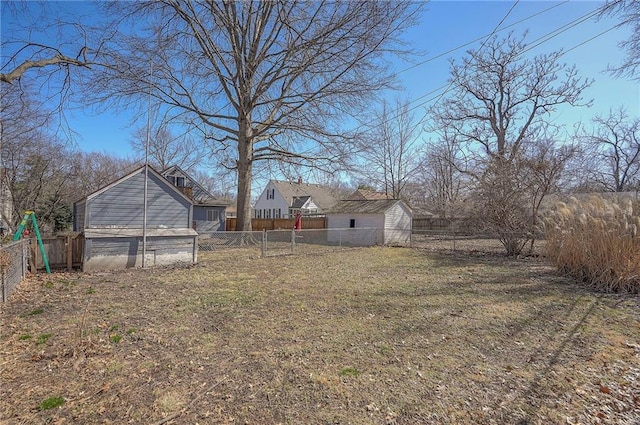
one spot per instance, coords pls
(128, 176)
(376, 206)
(321, 196)
(363, 194)
(201, 195)
(299, 201)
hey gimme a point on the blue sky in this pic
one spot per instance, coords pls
(446, 25)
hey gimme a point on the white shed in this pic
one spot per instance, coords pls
(390, 217)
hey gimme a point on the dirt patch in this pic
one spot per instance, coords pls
(360, 336)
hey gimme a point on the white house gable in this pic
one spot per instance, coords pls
(271, 203)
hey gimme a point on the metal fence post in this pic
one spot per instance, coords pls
(4, 290)
(293, 241)
(25, 257)
(264, 243)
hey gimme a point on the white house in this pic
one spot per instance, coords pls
(283, 199)
(390, 217)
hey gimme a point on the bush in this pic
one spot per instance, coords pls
(596, 241)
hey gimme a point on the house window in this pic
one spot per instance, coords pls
(212, 215)
(180, 181)
(258, 213)
(271, 193)
(279, 213)
(172, 179)
(352, 223)
(267, 213)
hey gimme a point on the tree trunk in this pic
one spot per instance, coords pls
(245, 150)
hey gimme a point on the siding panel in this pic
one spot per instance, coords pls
(122, 205)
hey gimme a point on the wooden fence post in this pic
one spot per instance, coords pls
(69, 253)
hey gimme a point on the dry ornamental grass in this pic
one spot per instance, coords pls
(597, 241)
(359, 336)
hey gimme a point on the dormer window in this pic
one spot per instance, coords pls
(180, 181)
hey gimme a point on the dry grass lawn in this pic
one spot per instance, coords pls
(360, 336)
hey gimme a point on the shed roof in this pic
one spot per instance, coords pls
(321, 196)
(375, 206)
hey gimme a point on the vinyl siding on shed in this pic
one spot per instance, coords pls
(122, 205)
(339, 230)
(391, 218)
(397, 226)
(342, 221)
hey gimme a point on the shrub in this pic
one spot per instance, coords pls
(596, 241)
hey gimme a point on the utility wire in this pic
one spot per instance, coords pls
(539, 41)
(439, 55)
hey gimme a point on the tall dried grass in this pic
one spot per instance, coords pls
(597, 241)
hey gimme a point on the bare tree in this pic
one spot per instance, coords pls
(508, 196)
(499, 97)
(614, 146)
(264, 80)
(34, 44)
(498, 109)
(629, 13)
(166, 149)
(390, 149)
(443, 181)
(93, 170)
(23, 134)
(37, 172)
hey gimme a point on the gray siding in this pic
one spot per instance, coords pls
(201, 222)
(122, 205)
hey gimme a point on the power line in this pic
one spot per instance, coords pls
(431, 59)
(539, 41)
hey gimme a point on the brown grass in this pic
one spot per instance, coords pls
(361, 336)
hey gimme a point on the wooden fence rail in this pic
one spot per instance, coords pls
(259, 224)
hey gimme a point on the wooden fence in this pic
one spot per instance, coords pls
(439, 224)
(259, 224)
(64, 251)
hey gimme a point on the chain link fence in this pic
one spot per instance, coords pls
(14, 261)
(282, 242)
(471, 241)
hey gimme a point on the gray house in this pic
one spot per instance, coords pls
(209, 214)
(111, 220)
(390, 217)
